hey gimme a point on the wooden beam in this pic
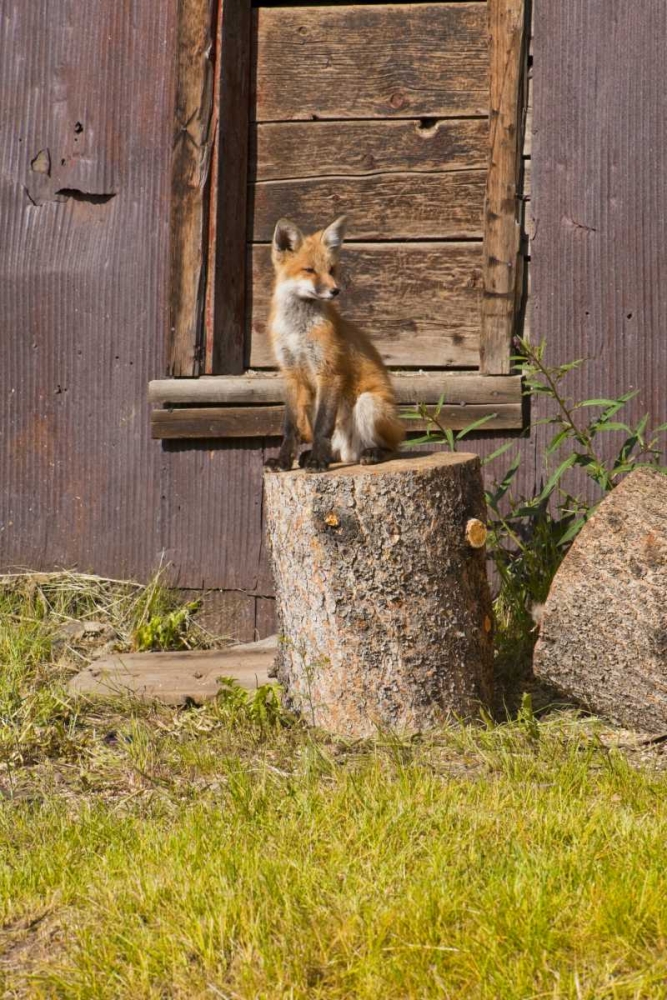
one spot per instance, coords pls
(502, 228)
(360, 61)
(190, 168)
(411, 387)
(232, 181)
(266, 421)
(284, 150)
(409, 205)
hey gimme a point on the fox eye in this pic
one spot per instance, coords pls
(332, 269)
(309, 270)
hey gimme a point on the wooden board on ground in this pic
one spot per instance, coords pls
(179, 677)
(369, 62)
(283, 150)
(395, 205)
(418, 301)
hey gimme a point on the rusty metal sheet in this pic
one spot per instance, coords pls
(600, 195)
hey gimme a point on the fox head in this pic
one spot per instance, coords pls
(307, 266)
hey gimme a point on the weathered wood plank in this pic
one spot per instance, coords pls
(288, 150)
(502, 226)
(190, 168)
(388, 206)
(418, 301)
(226, 421)
(232, 167)
(266, 421)
(410, 387)
(371, 61)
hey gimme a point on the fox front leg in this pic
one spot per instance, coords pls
(289, 445)
(319, 457)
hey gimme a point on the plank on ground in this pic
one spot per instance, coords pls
(418, 301)
(282, 150)
(267, 421)
(179, 677)
(386, 206)
(410, 387)
(371, 62)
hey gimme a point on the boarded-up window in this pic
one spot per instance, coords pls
(379, 111)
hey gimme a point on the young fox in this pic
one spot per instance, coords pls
(338, 392)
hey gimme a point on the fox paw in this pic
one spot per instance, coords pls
(278, 464)
(313, 463)
(373, 456)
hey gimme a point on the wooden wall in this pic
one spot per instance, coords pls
(84, 280)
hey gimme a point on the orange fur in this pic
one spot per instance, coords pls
(327, 361)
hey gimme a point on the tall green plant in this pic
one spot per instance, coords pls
(529, 535)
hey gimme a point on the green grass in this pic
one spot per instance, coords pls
(231, 852)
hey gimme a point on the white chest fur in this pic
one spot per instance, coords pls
(292, 323)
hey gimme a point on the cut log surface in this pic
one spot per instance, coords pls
(384, 606)
(603, 634)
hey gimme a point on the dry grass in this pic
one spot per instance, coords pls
(227, 851)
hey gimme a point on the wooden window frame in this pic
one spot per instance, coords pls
(208, 247)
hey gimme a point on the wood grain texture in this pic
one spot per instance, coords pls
(418, 301)
(288, 150)
(228, 353)
(190, 169)
(217, 422)
(502, 219)
(370, 61)
(262, 389)
(600, 197)
(267, 421)
(394, 206)
(384, 608)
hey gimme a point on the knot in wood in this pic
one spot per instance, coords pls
(476, 533)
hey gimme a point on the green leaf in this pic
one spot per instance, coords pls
(475, 424)
(498, 452)
(554, 478)
(424, 439)
(612, 425)
(506, 481)
(596, 402)
(556, 440)
(574, 529)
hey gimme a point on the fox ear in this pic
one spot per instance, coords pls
(333, 235)
(287, 237)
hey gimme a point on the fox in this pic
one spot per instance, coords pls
(338, 393)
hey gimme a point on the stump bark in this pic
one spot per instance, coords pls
(603, 632)
(382, 594)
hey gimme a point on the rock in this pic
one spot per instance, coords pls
(603, 629)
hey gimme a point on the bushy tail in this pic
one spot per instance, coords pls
(376, 423)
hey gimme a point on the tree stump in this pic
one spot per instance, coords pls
(603, 632)
(382, 595)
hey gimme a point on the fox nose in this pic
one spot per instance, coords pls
(335, 292)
